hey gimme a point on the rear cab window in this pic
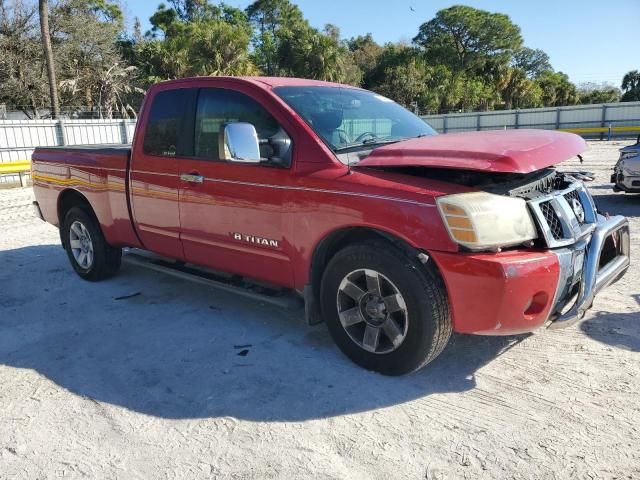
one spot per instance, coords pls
(163, 134)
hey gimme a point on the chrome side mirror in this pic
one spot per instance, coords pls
(238, 142)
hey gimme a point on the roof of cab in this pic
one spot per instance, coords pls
(269, 82)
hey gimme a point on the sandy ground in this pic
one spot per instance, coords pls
(155, 386)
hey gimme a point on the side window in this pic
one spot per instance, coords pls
(164, 126)
(219, 106)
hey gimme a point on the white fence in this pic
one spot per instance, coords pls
(622, 114)
(18, 138)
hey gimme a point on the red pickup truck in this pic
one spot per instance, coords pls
(393, 235)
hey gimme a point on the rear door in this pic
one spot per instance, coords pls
(234, 219)
(153, 178)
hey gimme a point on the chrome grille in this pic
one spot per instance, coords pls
(551, 217)
(574, 200)
(559, 217)
(573, 194)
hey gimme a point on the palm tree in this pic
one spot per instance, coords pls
(631, 80)
(43, 6)
(111, 85)
(631, 86)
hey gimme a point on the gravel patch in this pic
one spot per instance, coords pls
(145, 376)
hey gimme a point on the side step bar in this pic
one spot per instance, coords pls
(281, 298)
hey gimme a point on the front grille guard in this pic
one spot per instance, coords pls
(562, 224)
(594, 276)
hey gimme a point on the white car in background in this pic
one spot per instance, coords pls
(626, 173)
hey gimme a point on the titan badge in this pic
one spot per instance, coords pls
(267, 242)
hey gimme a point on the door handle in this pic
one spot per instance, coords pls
(192, 178)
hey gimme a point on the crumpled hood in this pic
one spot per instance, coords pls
(501, 151)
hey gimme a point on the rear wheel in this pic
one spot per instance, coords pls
(90, 255)
(385, 311)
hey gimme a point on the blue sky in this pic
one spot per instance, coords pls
(590, 40)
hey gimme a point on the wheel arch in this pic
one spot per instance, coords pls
(333, 242)
(68, 199)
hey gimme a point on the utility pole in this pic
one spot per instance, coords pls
(48, 56)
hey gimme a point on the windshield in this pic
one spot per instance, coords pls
(348, 119)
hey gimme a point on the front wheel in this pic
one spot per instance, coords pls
(90, 255)
(385, 311)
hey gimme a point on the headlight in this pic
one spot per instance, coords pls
(481, 220)
(630, 168)
(630, 154)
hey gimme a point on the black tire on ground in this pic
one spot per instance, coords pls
(428, 326)
(106, 259)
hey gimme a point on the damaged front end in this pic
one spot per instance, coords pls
(592, 249)
(533, 248)
(573, 247)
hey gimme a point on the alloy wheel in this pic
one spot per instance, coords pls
(81, 245)
(372, 311)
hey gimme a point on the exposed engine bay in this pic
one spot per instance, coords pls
(527, 186)
(563, 209)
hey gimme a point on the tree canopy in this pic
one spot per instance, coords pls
(631, 86)
(465, 38)
(463, 59)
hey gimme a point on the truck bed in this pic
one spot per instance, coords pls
(91, 156)
(99, 149)
(99, 173)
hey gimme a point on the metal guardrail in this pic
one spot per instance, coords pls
(19, 168)
(608, 130)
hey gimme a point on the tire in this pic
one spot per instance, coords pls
(82, 234)
(421, 324)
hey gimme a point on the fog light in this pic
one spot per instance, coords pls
(536, 304)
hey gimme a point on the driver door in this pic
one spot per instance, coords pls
(232, 214)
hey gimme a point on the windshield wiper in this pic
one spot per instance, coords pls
(370, 142)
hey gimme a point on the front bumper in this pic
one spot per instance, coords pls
(519, 291)
(624, 182)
